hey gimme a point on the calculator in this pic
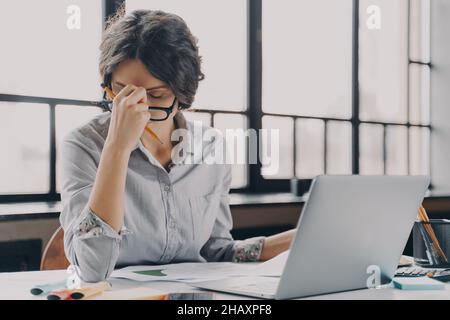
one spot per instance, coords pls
(416, 271)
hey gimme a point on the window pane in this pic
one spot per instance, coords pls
(310, 148)
(204, 118)
(371, 157)
(397, 150)
(25, 162)
(42, 57)
(339, 147)
(420, 24)
(307, 51)
(419, 151)
(67, 119)
(221, 28)
(384, 62)
(281, 152)
(236, 143)
(419, 94)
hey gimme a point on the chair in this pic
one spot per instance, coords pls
(54, 257)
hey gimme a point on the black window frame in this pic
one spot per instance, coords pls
(257, 182)
(254, 113)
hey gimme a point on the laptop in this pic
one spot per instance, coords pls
(349, 227)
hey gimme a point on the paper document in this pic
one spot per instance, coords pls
(192, 272)
(185, 272)
(273, 267)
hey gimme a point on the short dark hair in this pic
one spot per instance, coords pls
(164, 44)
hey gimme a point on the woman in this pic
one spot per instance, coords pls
(125, 201)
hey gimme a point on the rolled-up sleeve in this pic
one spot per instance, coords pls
(89, 242)
(221, 246)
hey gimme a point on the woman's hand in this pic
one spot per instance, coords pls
(129, 117)
(277, 244)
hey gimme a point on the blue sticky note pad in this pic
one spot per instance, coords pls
(418, 283)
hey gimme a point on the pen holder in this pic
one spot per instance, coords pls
(431, 243)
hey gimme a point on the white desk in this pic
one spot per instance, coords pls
(16, 286)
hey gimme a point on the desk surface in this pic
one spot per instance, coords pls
(17, 285)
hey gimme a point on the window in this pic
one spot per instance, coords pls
(395, 89)
(50, 76)
(297, 71)
(285, 126)
(383, 63)
(419, 86)
(42, 56)
(339, 146)
(67, 119)
(310, 138)
(236, 147)
(386, 130)
(25, 151)
(344, 98)
(307, 50)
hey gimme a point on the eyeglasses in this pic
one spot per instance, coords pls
(162, 113)
(157, 113)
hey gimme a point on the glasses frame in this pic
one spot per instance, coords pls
(168, 110)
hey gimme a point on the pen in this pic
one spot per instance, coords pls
(87, 292)
(81, 293)
(150, 131)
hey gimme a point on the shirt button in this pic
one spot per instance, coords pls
(166, 188)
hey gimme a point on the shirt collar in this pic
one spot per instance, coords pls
(180, 123)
